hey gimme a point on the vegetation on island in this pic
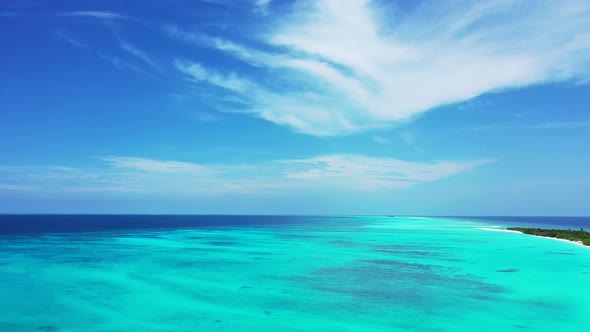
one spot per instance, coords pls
(566, 234)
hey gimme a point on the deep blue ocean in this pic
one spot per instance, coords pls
(41, 224)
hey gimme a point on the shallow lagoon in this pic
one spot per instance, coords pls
(321, 274)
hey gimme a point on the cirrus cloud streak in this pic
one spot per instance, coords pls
(339, 67)
(134, 175)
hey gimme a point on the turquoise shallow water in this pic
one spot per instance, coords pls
(324, 274)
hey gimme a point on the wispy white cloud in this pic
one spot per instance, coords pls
(121, 63)
(361, 172)
(563, 125)
(116, 61)
(151, 165)
(62, 168)
(124, 64)
(67, 37)
(101, 189)
(103, 15)
(52, 178)
(471, 104)
(139, 54)
(205, 117)
(408, 137)
(175, 31)
(489, 127)
(197, 72)
(380, 139)
(345, 172)
(16, 187)
(225, 3)
(135, 175)
(524, 113)
(340, 67)
(261, 7)
(512, 125)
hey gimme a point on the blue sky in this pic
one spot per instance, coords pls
(295, 107)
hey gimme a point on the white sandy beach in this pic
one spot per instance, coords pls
(546, 237)
(498, 230)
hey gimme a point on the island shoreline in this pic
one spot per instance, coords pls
(579, 237)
